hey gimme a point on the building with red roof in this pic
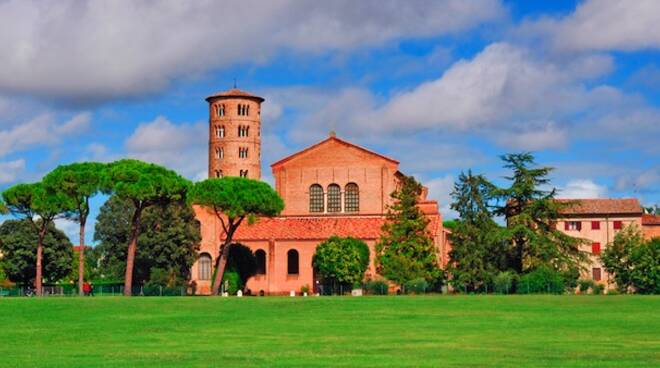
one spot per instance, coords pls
(334, 187)
(597, 220)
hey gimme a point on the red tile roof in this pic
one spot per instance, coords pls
(317, 227)
(235, 92)
(602, 206)
(331, 138)
(650, 220)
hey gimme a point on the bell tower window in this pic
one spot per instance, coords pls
(219, 153)
(243, 173)
(242, 152)
(243, 130)
(220, 131)
(220, 110)
(218, 173)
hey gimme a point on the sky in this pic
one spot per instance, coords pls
(441, 86)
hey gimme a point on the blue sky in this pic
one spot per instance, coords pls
(442, 86)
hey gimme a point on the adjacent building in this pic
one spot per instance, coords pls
(598, 221)
(331, 188)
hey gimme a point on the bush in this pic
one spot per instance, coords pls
(597, 289)
(231, 282)
(585, 285)
(376, 287)
(541, 280)
(504, 282)
(613, 292)
(417, 286)
(304, 289)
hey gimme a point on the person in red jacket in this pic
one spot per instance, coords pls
(87, 289)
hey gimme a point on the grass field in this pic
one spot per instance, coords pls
(439, 331)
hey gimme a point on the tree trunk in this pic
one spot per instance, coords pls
(220, 270)
(81, 258)
(132, 246)
(38, 277)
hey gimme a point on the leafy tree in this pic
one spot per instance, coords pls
(449, 224)
(168, 241)
(18, 245)
(78, 182)
(143, 185)
(405, 250)
(531, 214)
(633, 262)
(478, 251)
(341, 260)
(232, 200)
(40, 206)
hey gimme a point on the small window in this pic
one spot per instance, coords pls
(219, 153)
(243, 110)
(595, 248)
(292, 262)
(220, 110)
(220, 131)
(260, 255)
(351, 198)
(618, 225)
(218, 173)
(242, 152)
(595, 225)
(573, 225)
(243, 131)
(334, 198)
(595, 273)
(316, 198)
(243, 173)
(204, 267)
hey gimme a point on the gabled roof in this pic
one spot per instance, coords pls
(650, 220)
(234, 92)
(602, 206)
(331, 138)
(318, 227)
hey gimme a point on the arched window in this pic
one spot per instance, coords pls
(292, 262)
(220, 110)
(220, 131)
(218, 173)
(351, 198)
(260, 255)
(243, 173)
(334, 198)
(219, 153)
(316, 198)
(204, 267)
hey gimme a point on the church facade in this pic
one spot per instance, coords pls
(334, 187)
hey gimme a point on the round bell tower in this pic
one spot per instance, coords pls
(234, 134)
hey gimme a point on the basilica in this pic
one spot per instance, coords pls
(333, 187)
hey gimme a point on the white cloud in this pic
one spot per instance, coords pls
(95, 51)
(40, 130)
(10, 170)
(582, 188)
(182, 147)
(535, 137)
(70, 228)
(610, 25)
(440, 189)
(642, 181)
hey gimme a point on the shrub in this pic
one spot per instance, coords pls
(597, 289)
(304, 289)
(585, 285)
(503, 282)
(231, 282)
(417, 286)
(541, 280)
(376, 287)
(613, 292)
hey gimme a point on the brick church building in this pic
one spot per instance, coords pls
(333, 187)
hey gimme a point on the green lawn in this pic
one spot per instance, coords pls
(438, 331)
